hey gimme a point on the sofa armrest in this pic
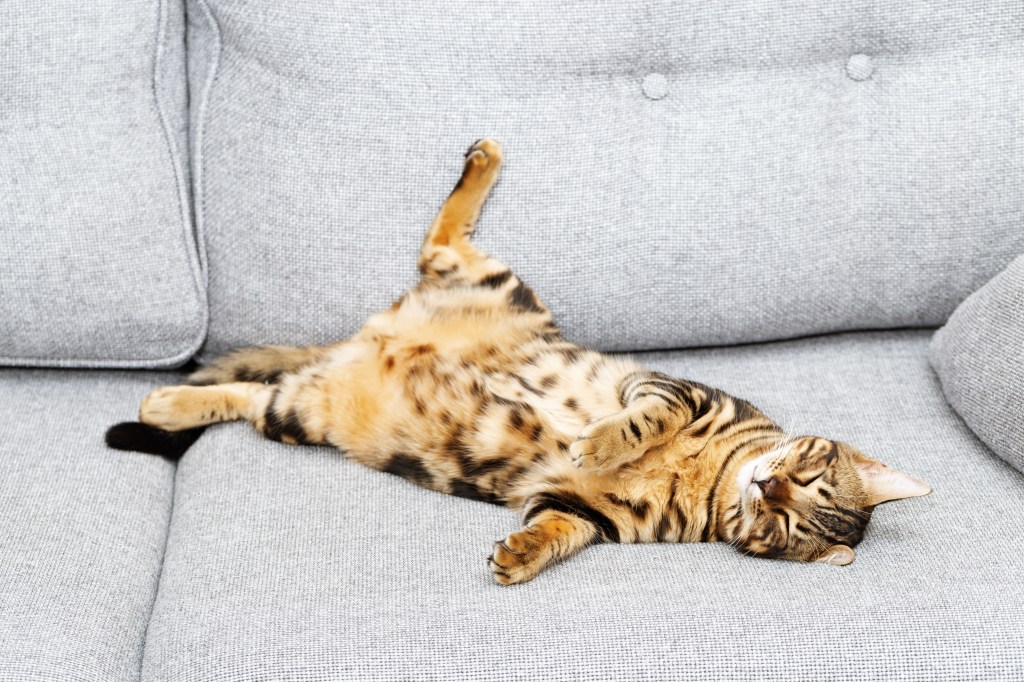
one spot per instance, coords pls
(979, 357)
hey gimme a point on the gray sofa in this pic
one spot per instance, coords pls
(785, 200)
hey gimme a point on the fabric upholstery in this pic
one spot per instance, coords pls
(98, 260)
(678, 173)
(294, 563)
(979, 356)
(82, 528)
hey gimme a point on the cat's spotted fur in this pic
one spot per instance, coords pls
(466, 386)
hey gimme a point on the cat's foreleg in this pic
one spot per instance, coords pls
(655, 409)
(551, 537)
(559, 523)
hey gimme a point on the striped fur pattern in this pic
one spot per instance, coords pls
(465, 386)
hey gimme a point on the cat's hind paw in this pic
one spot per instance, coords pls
(483, 154)
(175, 408)
(167, 408)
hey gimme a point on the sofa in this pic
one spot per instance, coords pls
(784, 200)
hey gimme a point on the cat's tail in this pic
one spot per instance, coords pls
(139, 437)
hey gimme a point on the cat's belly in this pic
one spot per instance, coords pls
(389, 403)
(477, 404)
(451, 325)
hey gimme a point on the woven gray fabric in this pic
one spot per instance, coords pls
(82, 528)
(979, 357)
(293, 563)
(678, 173)
(98, 262)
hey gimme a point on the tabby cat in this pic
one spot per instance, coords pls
(466, 386)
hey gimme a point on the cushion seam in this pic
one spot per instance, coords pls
(188, 236)
(199, 159)
(160, 573)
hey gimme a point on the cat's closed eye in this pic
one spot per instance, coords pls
(804, 480)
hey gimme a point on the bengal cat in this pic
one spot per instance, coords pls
(466, 386)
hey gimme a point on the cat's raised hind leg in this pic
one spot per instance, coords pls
(447, 253)
(448, 258)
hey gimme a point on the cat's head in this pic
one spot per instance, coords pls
(809, 499)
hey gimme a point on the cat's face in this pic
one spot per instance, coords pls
(810, 500)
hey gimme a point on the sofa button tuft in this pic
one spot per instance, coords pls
(859, 67)
(655, 86)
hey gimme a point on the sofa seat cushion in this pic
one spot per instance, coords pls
(979, 357)
(98, 260)
(677, 174)
(294, 563)
(82, 528)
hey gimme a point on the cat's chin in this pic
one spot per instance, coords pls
(745, 488)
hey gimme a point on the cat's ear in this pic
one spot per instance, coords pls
(883, 484)
(836, 555)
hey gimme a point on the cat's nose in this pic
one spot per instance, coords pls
(767, 486)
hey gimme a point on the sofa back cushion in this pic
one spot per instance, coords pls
(677, 173)
(98, 260)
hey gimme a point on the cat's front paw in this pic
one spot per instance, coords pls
(518, 558)
(604, 444)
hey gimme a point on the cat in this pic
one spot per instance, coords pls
(467, 387)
